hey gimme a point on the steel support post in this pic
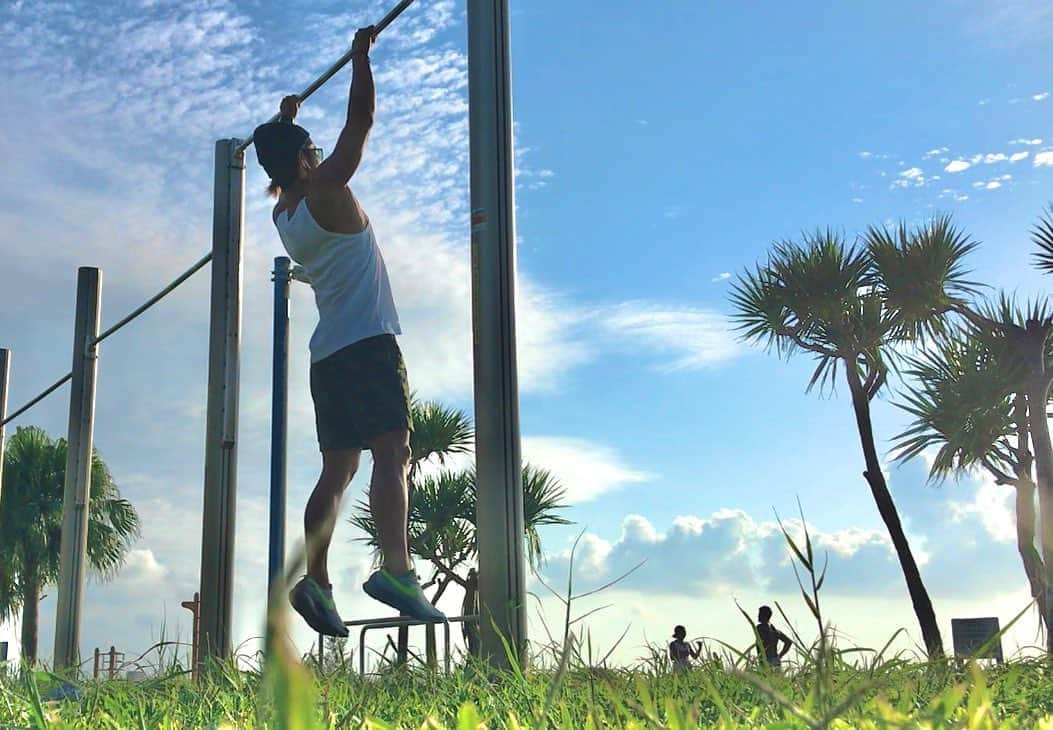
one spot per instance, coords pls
(217, 530)
(77, 492)
(279, 422)
(502, 578)
(5, 373)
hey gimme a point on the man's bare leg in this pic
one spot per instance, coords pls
(323, 507)
(389, 500)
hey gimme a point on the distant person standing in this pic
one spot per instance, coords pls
(680, 652)
(769, 637)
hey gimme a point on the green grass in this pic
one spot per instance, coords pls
(571, 686)
(886, 695)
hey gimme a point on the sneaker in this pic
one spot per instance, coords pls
(404, 594)
(317, 607)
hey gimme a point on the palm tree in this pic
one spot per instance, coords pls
(31, 525)
(963, 402)
(851, 307)
(442, 526)
(1042, 235)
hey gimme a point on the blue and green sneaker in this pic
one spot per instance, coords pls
(317, 607)
(404, 594)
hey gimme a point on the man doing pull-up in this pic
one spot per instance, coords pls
(358, 378)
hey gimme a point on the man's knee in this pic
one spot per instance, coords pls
(338, 469)
(391, 450)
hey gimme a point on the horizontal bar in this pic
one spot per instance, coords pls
(332, 70)
(65, 379)
(396, 621)
(155, 299)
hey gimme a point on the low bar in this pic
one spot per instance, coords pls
(157, 297)
(332, 70)
(44, 394)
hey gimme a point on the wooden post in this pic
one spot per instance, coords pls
(195, 640)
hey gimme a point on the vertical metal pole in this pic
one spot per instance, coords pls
(217, 531)
(502, 579)
(77, 494)
(5, 371)
(279, 421)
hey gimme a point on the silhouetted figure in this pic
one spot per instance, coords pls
(769, 637)
(680, 652)
(470, 606)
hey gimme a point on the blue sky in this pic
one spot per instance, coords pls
(659, 152)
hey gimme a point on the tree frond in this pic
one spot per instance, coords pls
(961, 401)
(919, 273)
(1042, 235)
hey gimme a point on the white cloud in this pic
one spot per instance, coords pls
(935, 152)
(913, 173)
(1040, 97)
(1043, 159)
(957, 166)
(585, 469)
(722, 276)
(992, 157)
(1018, 156)
(694, 338)
(1028, 141)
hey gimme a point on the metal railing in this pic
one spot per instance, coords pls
(369, 624)
(111, 330)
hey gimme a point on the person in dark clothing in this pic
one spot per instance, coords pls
(769, 637)
(680, 652)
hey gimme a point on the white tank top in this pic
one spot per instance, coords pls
(349, 279)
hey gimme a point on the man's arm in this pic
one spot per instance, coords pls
(786, 644)
(340, 166)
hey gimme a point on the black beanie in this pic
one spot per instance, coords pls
(278, 146)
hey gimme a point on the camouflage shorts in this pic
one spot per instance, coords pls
(359, 393)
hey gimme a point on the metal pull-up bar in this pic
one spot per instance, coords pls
(340, 63)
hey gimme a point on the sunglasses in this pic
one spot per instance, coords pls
(310, 148)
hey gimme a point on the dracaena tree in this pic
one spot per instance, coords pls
(966, 409)
(853, 307)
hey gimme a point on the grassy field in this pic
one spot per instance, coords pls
(571, 686)
(885, 694)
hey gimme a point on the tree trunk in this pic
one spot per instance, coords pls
(919, 596)
(469, 607)
(1025, 507)
(1038, 395)
(1025, 543)
(30, 618)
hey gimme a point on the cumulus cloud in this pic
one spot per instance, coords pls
(957, 166)
(731, 551)
(1043, 159)
(1040, 97)
(691, 338)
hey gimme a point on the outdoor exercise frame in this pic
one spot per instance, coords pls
(500, 505)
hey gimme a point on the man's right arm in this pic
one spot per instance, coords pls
(340, 166)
